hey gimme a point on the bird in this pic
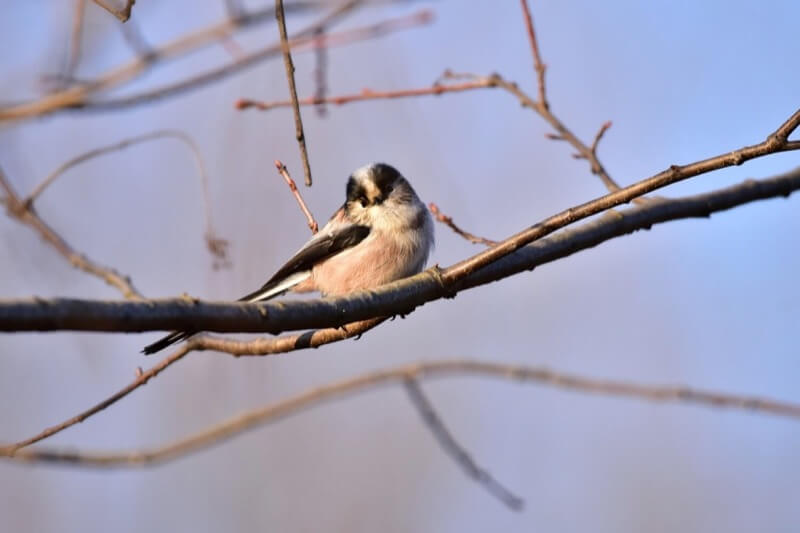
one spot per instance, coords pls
(382, 233)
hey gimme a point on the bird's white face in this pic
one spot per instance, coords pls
(380, 197)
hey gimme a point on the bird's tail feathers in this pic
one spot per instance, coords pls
(276, 288)
(270, 290)
(169, 340)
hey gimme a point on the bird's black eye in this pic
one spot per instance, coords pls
(363, 201)
(389, 190)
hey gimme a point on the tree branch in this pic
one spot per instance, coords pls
(297, 404)
(401, 297)
(451, 447)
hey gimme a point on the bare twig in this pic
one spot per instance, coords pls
(312, 224)
(451, 447)
(216, 245)
(602, 131)
(538, 65)
(287, 61)
(400, 297)
(324, 394)
(123, 13)
(25, 214)
(141, 379)
(448, 221)
(369, 94)
(287, 343)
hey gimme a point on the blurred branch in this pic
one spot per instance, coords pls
(448, 221)
(297, 404)
(403, 296)
(141, 379)
(287, 343)
(320, 74)
(74, 51)
(80, 97)
(136, 41)
(122, 13)
(300, 44)
(451, 447)
(216, 245)
(26, 214)
(287, 62)
(312, 224)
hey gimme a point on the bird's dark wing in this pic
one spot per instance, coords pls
(332, 239)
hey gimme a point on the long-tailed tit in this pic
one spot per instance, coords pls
(382, 233)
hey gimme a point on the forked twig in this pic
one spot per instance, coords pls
(448, 221)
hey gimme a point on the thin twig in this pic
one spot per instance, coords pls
(538, 65)
(312, 224)
(25, 214)
(123, 13)
(448, 221)
(602, 131)
(287, 62)
(141, 379)
(287, 343)
(369, 94)
(326, 393)
(452, 448)
(216, 245)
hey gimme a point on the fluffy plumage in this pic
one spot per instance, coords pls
(382, 233)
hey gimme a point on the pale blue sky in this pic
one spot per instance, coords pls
(707, 303)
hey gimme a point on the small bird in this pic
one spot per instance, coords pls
(382, 233)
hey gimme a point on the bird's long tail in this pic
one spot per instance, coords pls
(267, 292)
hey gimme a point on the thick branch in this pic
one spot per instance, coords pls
(321, 395)
(400, 297)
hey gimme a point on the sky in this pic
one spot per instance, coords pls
(707, 303)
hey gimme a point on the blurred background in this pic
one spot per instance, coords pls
(708, 303)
